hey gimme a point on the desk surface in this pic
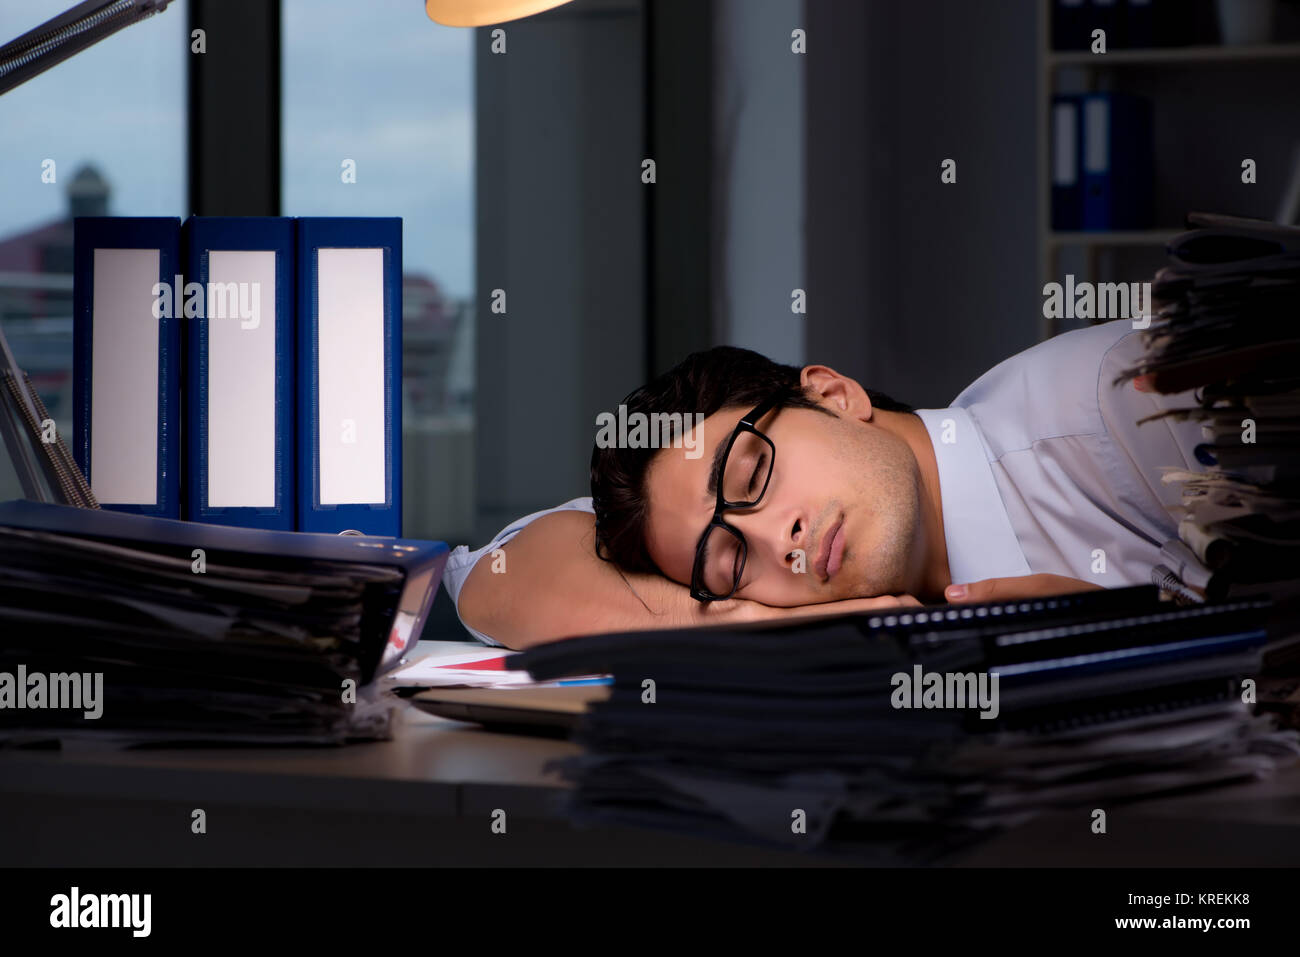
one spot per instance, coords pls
(425, 768)
(444, 779)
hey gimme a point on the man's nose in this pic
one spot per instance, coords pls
(778, 534)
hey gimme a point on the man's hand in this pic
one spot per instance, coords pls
(1021, 586)
(751, 611)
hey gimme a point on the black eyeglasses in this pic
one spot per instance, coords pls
(741, 477)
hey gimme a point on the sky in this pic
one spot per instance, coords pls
(378, 83)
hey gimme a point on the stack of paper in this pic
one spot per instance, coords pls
(136, 630)
(1227, 326)
(898, 737)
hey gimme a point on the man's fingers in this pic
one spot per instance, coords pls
(1009, 589)
(874, 604)
(990, 589)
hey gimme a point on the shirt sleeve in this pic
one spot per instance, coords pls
(462, 561)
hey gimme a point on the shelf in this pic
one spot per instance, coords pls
(1159, 56)
(1141, 237)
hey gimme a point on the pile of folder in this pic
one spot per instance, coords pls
(1226, 328)
(186, 633)
(1102, 166)
(241, 370)
(818, 736)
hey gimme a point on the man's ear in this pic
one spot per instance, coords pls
(838, 392)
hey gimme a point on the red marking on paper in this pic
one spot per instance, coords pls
(487, 664)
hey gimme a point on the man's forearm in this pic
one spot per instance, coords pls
(551, 585)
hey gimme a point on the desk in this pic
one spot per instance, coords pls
(427, 797)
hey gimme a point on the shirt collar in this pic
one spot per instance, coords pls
(980, 538)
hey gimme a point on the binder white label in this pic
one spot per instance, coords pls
(124, 377)
(350, 340)
(1096, 136)
(241, 384)
(1065, 169)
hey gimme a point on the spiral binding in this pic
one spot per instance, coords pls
(73, 486)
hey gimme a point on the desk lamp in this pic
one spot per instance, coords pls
(479, 13)
(70, 32)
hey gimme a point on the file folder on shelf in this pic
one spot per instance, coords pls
(1067, 179)
(349, 375)
(126, 375)
(239, 422)
(1117, 162)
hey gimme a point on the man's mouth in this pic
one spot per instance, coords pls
(831, 551)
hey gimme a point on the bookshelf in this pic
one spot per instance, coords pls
(1234, 86)
(1174, 56)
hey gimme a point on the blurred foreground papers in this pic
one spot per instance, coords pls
(202, 633)
(809, 736)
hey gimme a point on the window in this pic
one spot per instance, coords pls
(102, 133)
(377, 118)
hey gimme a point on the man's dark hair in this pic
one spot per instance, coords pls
(724, 377)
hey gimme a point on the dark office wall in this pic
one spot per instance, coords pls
(917, 287)
(561, 229)
(758, 153)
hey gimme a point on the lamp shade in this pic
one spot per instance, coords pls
(478, 13)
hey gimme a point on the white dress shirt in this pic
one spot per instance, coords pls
(1047, 469)
(1042, 468)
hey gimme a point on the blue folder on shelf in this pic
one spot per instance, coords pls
(349, 375)
(1118, 168)
(239, 417)
(126, 362)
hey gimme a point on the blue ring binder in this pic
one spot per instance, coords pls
(108, 232)
(204, 235)
(313, 235)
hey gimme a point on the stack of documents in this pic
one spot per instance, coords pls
(136, 630)
(899, 737)
(1226, 327)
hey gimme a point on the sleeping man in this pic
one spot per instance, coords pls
(799, 492)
